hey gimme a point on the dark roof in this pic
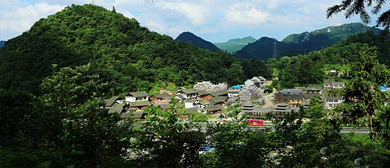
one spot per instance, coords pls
(111, 101)
(219, 99)
(203, 93)
(188, 91)
(139, 94)
(214, 108)
(282, 105)
(165, 106)
(291, 91)
(139, 103)
(220, 93)
(296, 96)
(163, 96)
(116, 108)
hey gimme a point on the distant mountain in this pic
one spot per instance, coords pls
(2, 43)
(304, 42)
(234, 45)
(191, 38)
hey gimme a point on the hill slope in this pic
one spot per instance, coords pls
(127, 55)
(188, 37)
(234, 45)
(304, 42)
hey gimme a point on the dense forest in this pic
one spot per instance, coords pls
(130, 56)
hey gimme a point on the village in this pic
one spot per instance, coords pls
(254, 97)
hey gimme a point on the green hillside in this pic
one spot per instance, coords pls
(127, 55)
(234, 45)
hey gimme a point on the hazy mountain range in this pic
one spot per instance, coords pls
(236, 44)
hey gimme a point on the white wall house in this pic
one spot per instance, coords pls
(189, 104)
(332, 102)
(137, 96)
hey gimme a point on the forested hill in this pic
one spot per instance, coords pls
(188, 37)
(123, 53)
(234, 45)
(304, 42)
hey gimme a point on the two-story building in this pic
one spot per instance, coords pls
(137, 96)
(330, 102)
(186, 94)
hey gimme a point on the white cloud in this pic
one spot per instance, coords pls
(247, 14)
(196, 13)
(17, 19)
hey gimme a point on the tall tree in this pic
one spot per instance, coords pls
(359, 7)
(363, 98)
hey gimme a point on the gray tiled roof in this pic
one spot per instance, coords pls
(139, 94)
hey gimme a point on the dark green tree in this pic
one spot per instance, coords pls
(359, 7)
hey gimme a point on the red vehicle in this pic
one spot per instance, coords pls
(256, 122)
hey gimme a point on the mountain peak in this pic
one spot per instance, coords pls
(188, 37)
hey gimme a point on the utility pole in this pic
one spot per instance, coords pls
(275, 49)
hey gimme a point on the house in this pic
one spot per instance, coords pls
(214, 109)
(117, 108)
(313, 90)
(137, 96)
(255, 81)
(161, 98)
(204, 95)
(234, 91)
(296, 100)
(111, 101)
(330, 84)
(136, 115)
(186, 94)
(332, 101)
(210, 87)
(220, 93)
(219, 100)
(139, 105)
(201, 104)
(245, 96)
(189, 104)
(285, 95)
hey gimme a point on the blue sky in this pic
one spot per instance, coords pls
(213, 20)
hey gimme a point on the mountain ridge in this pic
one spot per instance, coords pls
(188, 37)
(300, 43)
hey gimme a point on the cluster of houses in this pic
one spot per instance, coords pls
(204, 97)
(208, 98)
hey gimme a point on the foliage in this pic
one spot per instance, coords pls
(359, 7)
(118, 48)
(363, 99)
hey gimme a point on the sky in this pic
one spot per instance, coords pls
(213, 20)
